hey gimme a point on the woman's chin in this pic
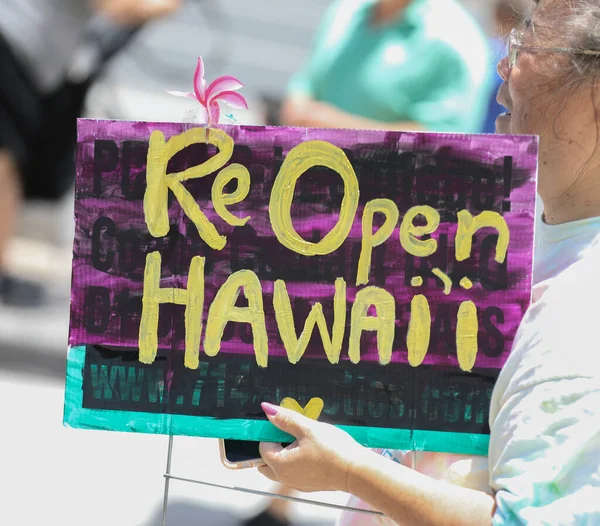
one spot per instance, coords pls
(503, 123)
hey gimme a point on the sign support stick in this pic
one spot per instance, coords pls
(167, 476)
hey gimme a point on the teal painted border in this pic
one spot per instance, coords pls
(77, 416)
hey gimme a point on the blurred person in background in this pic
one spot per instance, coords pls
(393, 65)
(507, 15)
(50, 53)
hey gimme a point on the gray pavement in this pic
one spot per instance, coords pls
(55, 475)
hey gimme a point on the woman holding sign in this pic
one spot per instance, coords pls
(544, 454)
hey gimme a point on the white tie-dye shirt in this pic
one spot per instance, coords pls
(544, 454)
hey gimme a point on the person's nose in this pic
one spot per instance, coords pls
(503, 69)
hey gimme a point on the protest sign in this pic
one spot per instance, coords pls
(380, 276)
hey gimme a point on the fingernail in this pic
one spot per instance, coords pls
(269, 409)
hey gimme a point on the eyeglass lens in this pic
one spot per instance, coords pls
(513, 48)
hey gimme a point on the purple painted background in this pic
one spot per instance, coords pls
(409, 168)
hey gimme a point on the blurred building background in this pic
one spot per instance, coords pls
(263, 43)
(58, 476)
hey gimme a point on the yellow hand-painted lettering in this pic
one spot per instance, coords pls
(468, 225)
(153, 296)
(370, 240)
(294, 346)
(221, 200)
(298, 161)
(311, 410)
(444, 278)
(466, 335)
(223, 310)
(383, 323)
(160, 152)
(409, 233)
(419, 330)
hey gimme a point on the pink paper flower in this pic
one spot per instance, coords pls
(222, 89)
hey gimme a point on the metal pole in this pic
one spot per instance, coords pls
(275, 495)
(168, 477)
(167, 481)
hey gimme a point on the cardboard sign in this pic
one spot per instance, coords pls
(372, 279)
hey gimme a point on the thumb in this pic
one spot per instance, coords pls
(269, 451)
(287, 420)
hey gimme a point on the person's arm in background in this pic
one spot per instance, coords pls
(114, 24)
(301, 91)
(301, 107)
(447, 106)
(307, 112)
(134, 13)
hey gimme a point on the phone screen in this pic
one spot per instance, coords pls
(243, 450)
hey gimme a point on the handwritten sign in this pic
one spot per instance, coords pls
(382, 273)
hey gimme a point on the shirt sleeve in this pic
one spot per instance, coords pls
(548, 470)
(451, 98)
(544, 453)
(304, 82)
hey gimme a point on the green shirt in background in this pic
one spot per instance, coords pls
(430, 66)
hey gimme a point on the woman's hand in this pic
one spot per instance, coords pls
(320, 459)
(325, 458)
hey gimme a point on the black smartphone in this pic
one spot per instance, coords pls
(239, 454)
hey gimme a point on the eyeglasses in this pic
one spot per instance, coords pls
(515, 44)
